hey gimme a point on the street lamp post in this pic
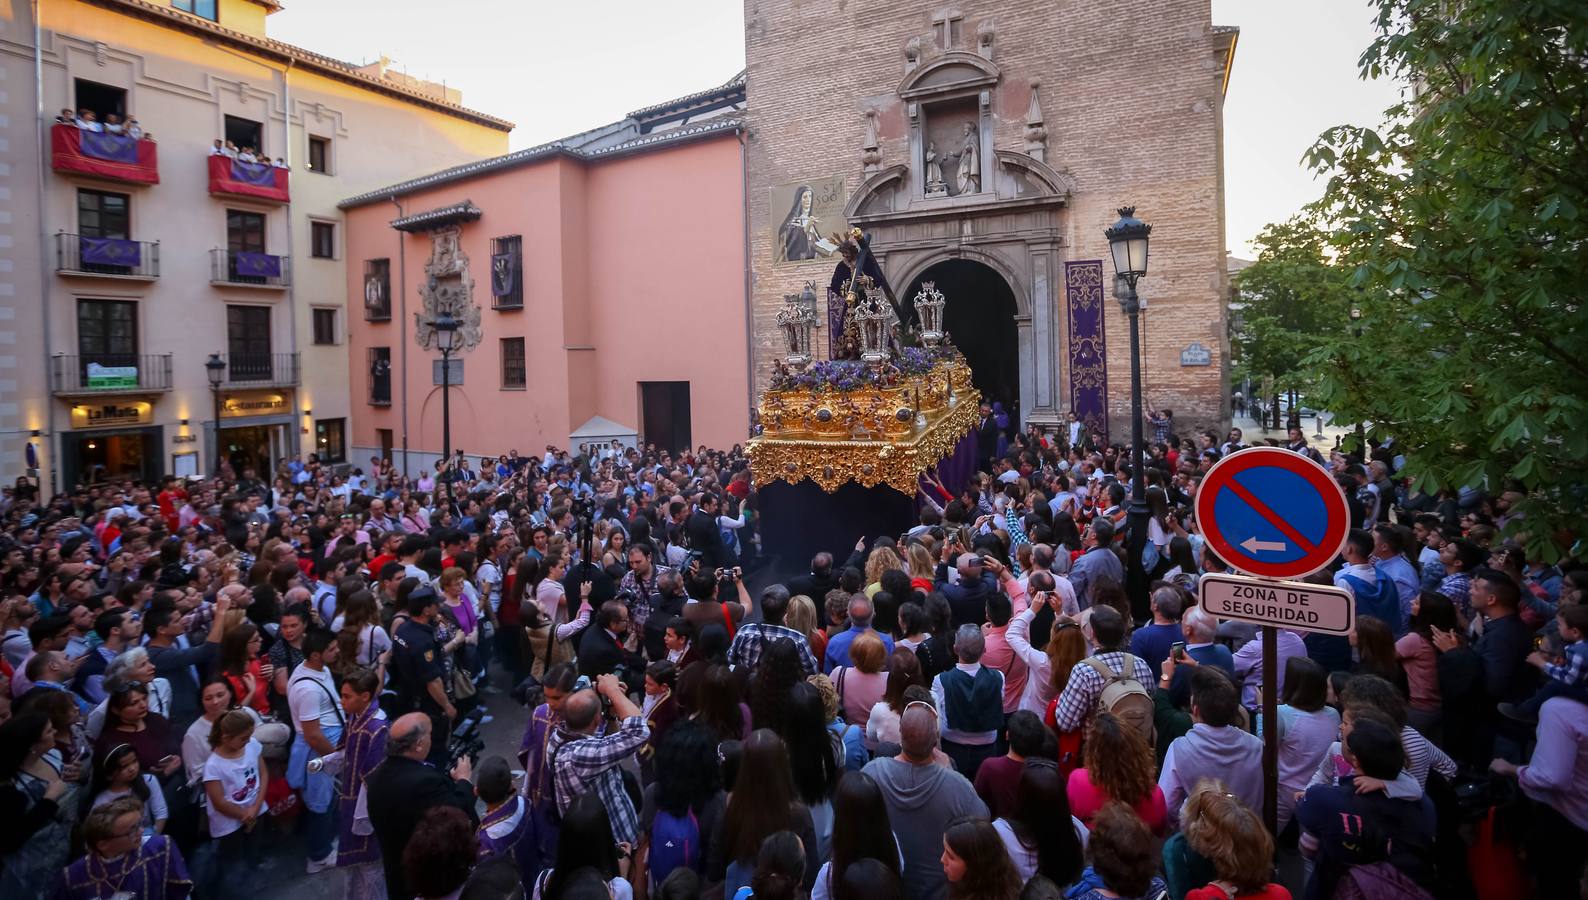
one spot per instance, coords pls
(447, 341)
(1361, 433)
(1127, 242)
(215, 369)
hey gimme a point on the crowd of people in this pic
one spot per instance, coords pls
(88, 120)
(197, 673)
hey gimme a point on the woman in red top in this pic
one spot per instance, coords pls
(241, 666)
(1119, 766)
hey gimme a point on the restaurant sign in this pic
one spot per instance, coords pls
(255, 403)
(111, 415)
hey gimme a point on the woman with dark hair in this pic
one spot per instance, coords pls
(441, 854)
(936, 653)
(975, 864)
(1042, 837)
(1124, 858)
(861, 831)
(586, 840)
(1119, 767)
(765, 803)
(882, 726)
(688, 786)
(116, 775)
(1420, 660)
(779, 869)
(718, 706)
(817, 759)
(1307, 726)
(558, 685)
(1375, 648)
(777, 672)
(34, 837)
(867, 879)
(709, 647)
(239, 663)
(128, 721)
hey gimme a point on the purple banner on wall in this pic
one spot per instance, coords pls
(257, 265)
(1088, 350)
(504, 274)
(261, 174)
(112, 147)
(109, 251)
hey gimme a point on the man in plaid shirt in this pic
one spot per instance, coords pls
(582, 760)
(1086, 684)
(750, 642)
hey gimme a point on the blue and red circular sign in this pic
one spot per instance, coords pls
(1272, 512)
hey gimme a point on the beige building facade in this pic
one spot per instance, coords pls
(121, 276)
(985, 147)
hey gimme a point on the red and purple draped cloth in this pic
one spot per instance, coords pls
(154, 871)
(109, 251)
(256, 265)
(1083, 293)
(105, 155)
(230, 176)
(361, 753)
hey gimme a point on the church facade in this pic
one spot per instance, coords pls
(985, 148)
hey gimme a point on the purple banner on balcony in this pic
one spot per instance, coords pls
(258, 174)
(110, 147)
(109, 252)
(257, 265)
(1088, 350)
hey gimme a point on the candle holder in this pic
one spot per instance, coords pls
(796, 318)
(929, 304)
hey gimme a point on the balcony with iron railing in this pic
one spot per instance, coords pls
(108, 374)
(93, 257)
(260, 370)
(239, 268)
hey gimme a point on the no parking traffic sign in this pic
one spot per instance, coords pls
(1272, 512)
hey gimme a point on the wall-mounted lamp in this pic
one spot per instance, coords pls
(184, 423)
(308, 412)
(37, 433)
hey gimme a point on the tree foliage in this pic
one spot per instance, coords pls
(1294, 300)
(1465, 219)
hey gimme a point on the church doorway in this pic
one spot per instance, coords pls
(980, 318)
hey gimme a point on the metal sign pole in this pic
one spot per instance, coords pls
(1271, 729)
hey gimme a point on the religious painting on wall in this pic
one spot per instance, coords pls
(805, 216)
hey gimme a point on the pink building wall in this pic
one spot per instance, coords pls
(633, 271)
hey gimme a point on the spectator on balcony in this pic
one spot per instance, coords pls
(87, 121)
(113, 124)
(247, 155)
(67, 117)
(136, 132)
(219, 149)
(279, 163)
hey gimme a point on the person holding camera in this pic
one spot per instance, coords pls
(584, 760)
(404, 787)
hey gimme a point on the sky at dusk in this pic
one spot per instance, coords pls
(559, 68)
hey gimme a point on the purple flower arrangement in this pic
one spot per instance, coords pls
(851, 375)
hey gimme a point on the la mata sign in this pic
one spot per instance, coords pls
(1292, 605)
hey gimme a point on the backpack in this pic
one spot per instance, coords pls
(1125, 696)
(1381, 599)
(1378, 881)
(675, 842)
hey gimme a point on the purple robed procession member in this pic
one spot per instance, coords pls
(257, 265)
(110, 147)
(539, 789)
(152, 871)
(510, 830)
(363, 749)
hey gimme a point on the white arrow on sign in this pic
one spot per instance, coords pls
(1252, 545)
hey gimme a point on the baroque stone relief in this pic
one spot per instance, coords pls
(448, 287)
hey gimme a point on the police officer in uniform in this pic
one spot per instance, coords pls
(416, 662)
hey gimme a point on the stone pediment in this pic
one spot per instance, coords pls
(955, 72)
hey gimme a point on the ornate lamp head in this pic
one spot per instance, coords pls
(796, 319)
(929, 308)
(871, 317)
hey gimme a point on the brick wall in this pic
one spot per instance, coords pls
(1131, 96)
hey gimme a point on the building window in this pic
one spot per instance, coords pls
(377, 290)
(204, 9)
(322, 240)
(507, 272)
(245, 133)
(513, 363)
(100, 99)
(103, 215)
(245, 231)
(320, 155)
(380, 376)
(107, 332)
(324, 326)
(330, 440)
(248, 343)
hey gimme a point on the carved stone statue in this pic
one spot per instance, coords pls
(935, 186)
(968, 175)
